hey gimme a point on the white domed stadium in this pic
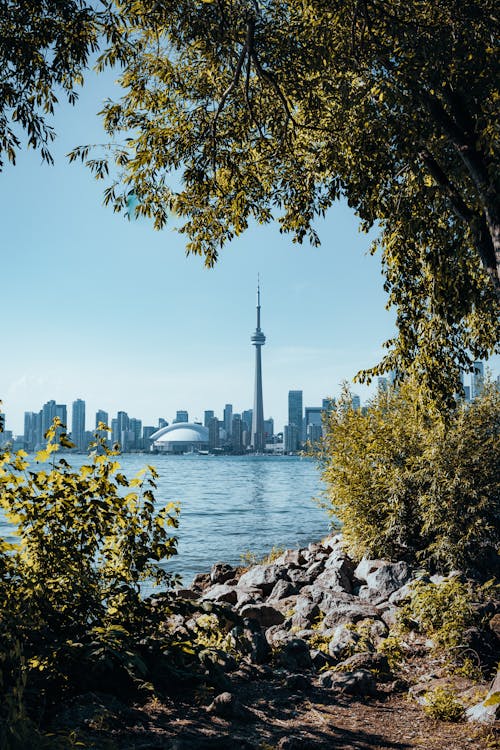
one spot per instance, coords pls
(180, 437)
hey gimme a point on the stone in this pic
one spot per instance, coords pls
(277, 636)
(336, 578)
(264, 614)
(389, 614)
(291, 557)
(221, 592)
(298, 682)
(228, 706)
(221, 572)
(359, 682)
(366, 566)
(372, 662)
(401, 595)
(488, 710)
(263, 577)
(201, 581)
(343, 640)
(343, 612)
(382, 582)
(301, 576)
(316, 568)
(247, 595)
(320, 660)
(494, 625)
(186, 594)
(257, 646)
(216, 657)
(294, 654)
(282, 589)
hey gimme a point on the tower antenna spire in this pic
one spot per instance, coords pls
(258, 441)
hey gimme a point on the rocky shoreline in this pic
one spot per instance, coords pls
(300, 654)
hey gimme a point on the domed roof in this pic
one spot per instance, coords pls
(181, 432)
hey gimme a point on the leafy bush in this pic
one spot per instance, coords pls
(442, 704)
(407, 482)
(73, 617)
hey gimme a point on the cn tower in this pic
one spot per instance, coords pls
(258, 441)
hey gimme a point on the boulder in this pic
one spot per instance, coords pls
(215, 657)
(343, 642)
(247, 595)
(294, 654)
(282, 589)
(301, 576)
(488, 710)
(277, 636)
(336, 578)
(291, 557)
(401, 595)
(372, 662)
(366, 566)
(228, 706)
(264, 614)
(263, 577)
(320, 660)
(359, 682)
(384, 581)
(221, 592)
(341, 612)
(221, 572)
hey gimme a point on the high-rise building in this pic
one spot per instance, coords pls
(228, 418)
(477, 379)
(328, 405)
(295, 414)
(269, 429)
(257, 440)
(115, 435)
(31, 430)
(135, 434)
(181, 416)
(78, 424)
(48, 414)
(147, 431)
(101, 416)
(209, 414)
(314, 433)
(162, 423)
(236, 434)
(313, 415)
(356, 402)
(213, 434)
(290, 438)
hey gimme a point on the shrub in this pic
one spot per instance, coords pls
(72, 617)
(407, 482)
(442, 704)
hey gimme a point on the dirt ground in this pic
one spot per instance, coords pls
(273, 713)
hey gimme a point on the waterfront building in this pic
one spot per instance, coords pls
(228, 418)
(237, 433)
(356, 402)
(477, 380)
(290, 438)
(147, 432)
(181, 416)
(382, 385)
(269, 429)
(257, 440)
(328, 405)
(78, 424)
(213, 434)
(295, 414)
(181, 437)
(162, 423)
(115, 435)
(48, 414)
(101, 416)
(135, 434)
(314, 433)
(208, 415)
(32, 424)
(313, 416)
(123, 422)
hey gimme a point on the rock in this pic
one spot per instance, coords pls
(316, 568)
(342, 641)
(221, 572)
(488, 710)
(263, 577)
(320, 660)
(360, 682)
(264, 614)
(494, 625)
(401, 595)
(277, 636)
(221, 592)
(367, 660)
(366, 566)
(201, 581)
(294, 654)
(228, 706)
(247, 595)
(216, 657)
(282, 589)
(386, 579)
(186, 594)
(389, 614)
(291, 557)
(335, 578)
(301, 576)
(339, 612)
(307, 608)
(298, 682)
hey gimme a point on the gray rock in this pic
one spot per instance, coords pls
(256, 645)
(248, 595)
(372, 662)
(264, 614)
(320, 660)
(389, 614)
(316, 568)
(228, 706)
(263, 577)
(291, 557)
(342, 642)
(366, 566)
(359, 682)
(301, 576)
(221, 572)
(385, 580)
(217, 657)
(282, 589)
(294, 654)
(298, 682)
(343, 612)
(186, 594)
(401, 595)
(277, 636)
(221, 592)
(488, 710)
(335, 578)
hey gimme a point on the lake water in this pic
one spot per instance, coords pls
(230, 504)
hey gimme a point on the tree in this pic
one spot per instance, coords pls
(267, 109)
(44, 48)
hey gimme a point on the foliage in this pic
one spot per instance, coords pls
(249, 558)
(442, 704)
(407, 483)
(73, 618)
(276, 109)
(443, 611)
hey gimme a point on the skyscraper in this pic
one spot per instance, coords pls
(295, 413)
(228, 419)
(101, 416)
(209, 414)
(78, 424)
(258, 340)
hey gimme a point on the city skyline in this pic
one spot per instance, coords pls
(113, 312)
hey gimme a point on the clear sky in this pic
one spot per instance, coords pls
(100, 308)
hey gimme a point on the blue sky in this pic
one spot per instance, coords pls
(100, 308)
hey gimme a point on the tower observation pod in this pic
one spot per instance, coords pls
(258, 440)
